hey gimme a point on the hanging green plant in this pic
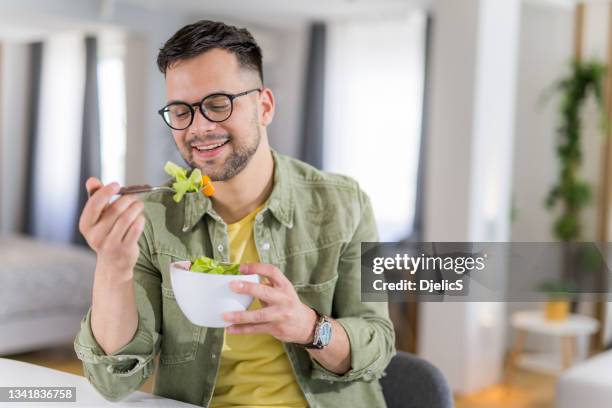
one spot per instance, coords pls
(572, 193)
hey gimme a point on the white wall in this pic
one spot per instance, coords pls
(468, 174)
(545, 49)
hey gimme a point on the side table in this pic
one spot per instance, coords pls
(534, 321)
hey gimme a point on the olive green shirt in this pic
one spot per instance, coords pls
(311, 229)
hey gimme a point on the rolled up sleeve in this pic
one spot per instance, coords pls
(367, 324)
(124, 371)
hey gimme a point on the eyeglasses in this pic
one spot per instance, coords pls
(216, 107)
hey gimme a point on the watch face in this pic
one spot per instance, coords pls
(325, 333)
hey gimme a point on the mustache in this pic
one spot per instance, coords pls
(215, 138)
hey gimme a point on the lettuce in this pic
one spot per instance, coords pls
(204, 264)
(183, 184)
(175, 171)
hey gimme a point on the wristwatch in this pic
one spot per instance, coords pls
(322, 334)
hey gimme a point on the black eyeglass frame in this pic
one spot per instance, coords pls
(200, 105)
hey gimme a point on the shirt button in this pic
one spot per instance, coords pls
(265, 246)
(214, 355)
(220, 248)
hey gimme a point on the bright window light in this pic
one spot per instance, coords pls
(374, 96)
(59, 132)
(111, 88)
(111, 93)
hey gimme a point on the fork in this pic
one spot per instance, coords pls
(144, 188)
(207, 188)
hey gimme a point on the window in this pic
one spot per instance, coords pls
(373, 113)
(111, 94)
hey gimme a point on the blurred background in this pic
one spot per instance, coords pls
(458, 118)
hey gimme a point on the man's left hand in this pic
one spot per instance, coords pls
(282, 314)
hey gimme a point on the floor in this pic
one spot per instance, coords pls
(528, 390)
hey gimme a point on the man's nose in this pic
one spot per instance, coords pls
(201, 123)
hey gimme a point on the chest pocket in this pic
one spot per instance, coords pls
(180, 338)
(318, 295)
(314, 274)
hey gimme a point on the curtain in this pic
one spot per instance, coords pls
(90, 137)
(375, 75)
(56, 136)
(312, 128)
(35, 74)
(417, 224)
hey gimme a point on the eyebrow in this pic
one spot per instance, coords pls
(221, 91)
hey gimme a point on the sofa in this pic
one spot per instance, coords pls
(45, 290)
(587, 384)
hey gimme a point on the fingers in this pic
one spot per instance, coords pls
(263, 315)
(251, 328)
(96, 203)
(267, 270)
(92, 185)
(134, 231)
(125, 220)
(264, 293)
(99, 232)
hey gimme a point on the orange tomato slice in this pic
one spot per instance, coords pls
(208, 189)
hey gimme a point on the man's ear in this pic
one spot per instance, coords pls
(266, 99)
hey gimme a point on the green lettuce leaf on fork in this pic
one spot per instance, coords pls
(204, 264)
(183, 184)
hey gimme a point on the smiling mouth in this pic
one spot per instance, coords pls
(211, 147)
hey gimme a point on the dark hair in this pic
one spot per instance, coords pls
(204, 35)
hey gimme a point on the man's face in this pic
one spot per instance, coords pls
(212, 72)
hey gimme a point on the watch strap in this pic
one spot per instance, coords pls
(316, 342)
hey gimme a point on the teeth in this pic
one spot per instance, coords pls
(210, 147)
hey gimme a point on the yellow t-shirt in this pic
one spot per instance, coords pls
(254, 370)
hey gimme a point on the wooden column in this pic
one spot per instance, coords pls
(605, 194)
(605, 178)
(579, 31)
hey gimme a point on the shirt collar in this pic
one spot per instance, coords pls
(280, 202)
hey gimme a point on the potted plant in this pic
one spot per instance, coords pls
(560, 294)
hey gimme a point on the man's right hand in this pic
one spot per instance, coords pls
(112, 230)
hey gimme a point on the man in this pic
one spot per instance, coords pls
(307, 340)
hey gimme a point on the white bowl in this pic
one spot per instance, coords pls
(204, 297)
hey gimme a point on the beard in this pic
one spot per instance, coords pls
(239, 156)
